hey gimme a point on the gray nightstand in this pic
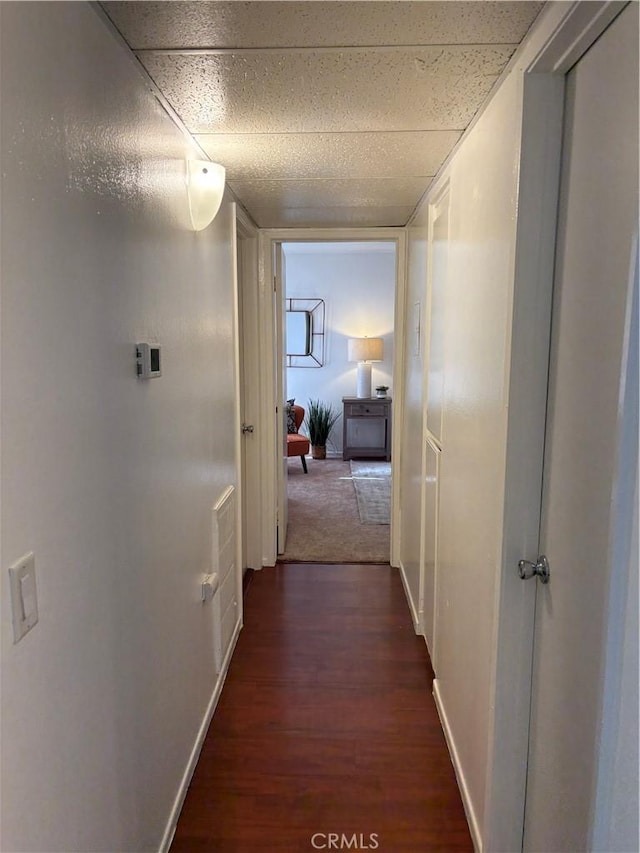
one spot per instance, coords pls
(366, 427)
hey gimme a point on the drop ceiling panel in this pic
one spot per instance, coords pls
(325, 114)
(279, 24)
(330, 155)
(331, 217)
(429, 88)
(383, 192)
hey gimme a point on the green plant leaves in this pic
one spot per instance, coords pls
(320, 419)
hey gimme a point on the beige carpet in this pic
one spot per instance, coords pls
(324, 524)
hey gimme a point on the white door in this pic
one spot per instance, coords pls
(281, 379)
(434, 381)
(409, 418)
(598, 219)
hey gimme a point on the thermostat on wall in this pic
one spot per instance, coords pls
(148, 364)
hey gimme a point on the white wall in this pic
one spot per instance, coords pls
(483, 184)
(357, 282)
(108, 480)
(483, 177)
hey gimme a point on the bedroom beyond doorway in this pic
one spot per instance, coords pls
(339, 511)
(354, 282)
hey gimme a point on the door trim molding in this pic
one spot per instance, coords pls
(399, 332)
(582, 24)
(268, 439)
(267, 434)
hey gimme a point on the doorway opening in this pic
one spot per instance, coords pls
(339, 298)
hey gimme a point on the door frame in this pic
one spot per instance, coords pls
(278, 301)
(246, 275)
(269, 448)
(565, 35)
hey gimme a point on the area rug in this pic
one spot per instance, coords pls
(324, 523)
(372, 482)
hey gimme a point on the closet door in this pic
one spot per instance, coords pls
(430, 545)
(438, 263)
(434, 392)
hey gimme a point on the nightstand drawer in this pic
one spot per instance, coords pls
(363, 410)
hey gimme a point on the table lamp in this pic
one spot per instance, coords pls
(364, 351)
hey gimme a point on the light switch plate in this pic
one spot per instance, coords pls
(24, 599)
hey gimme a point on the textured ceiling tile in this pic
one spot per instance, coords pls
(331, 217)
(330, 155)
(390, 192)
(328, 90)
(348, 90)
(277, 24)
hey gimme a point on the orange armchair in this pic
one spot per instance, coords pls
(298, 444)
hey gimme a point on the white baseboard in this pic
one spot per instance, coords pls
(172, 823)
(426, 642)
(412, 608)
(474, 829)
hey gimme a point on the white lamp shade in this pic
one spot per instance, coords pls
(205, 188)
(365, 349)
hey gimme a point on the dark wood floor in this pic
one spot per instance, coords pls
(326, 724)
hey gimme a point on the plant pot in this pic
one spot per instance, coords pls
(318, 451)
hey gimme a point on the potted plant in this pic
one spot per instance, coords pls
(321, 418)
(381, 390)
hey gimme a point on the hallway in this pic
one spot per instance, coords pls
(326, 724)
(495, 145)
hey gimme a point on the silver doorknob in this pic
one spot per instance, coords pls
(247, 428)
(539, 569)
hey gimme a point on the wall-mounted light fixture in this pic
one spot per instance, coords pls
(205, 188)
(364, 351)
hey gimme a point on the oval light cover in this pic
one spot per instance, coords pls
(205, 188)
